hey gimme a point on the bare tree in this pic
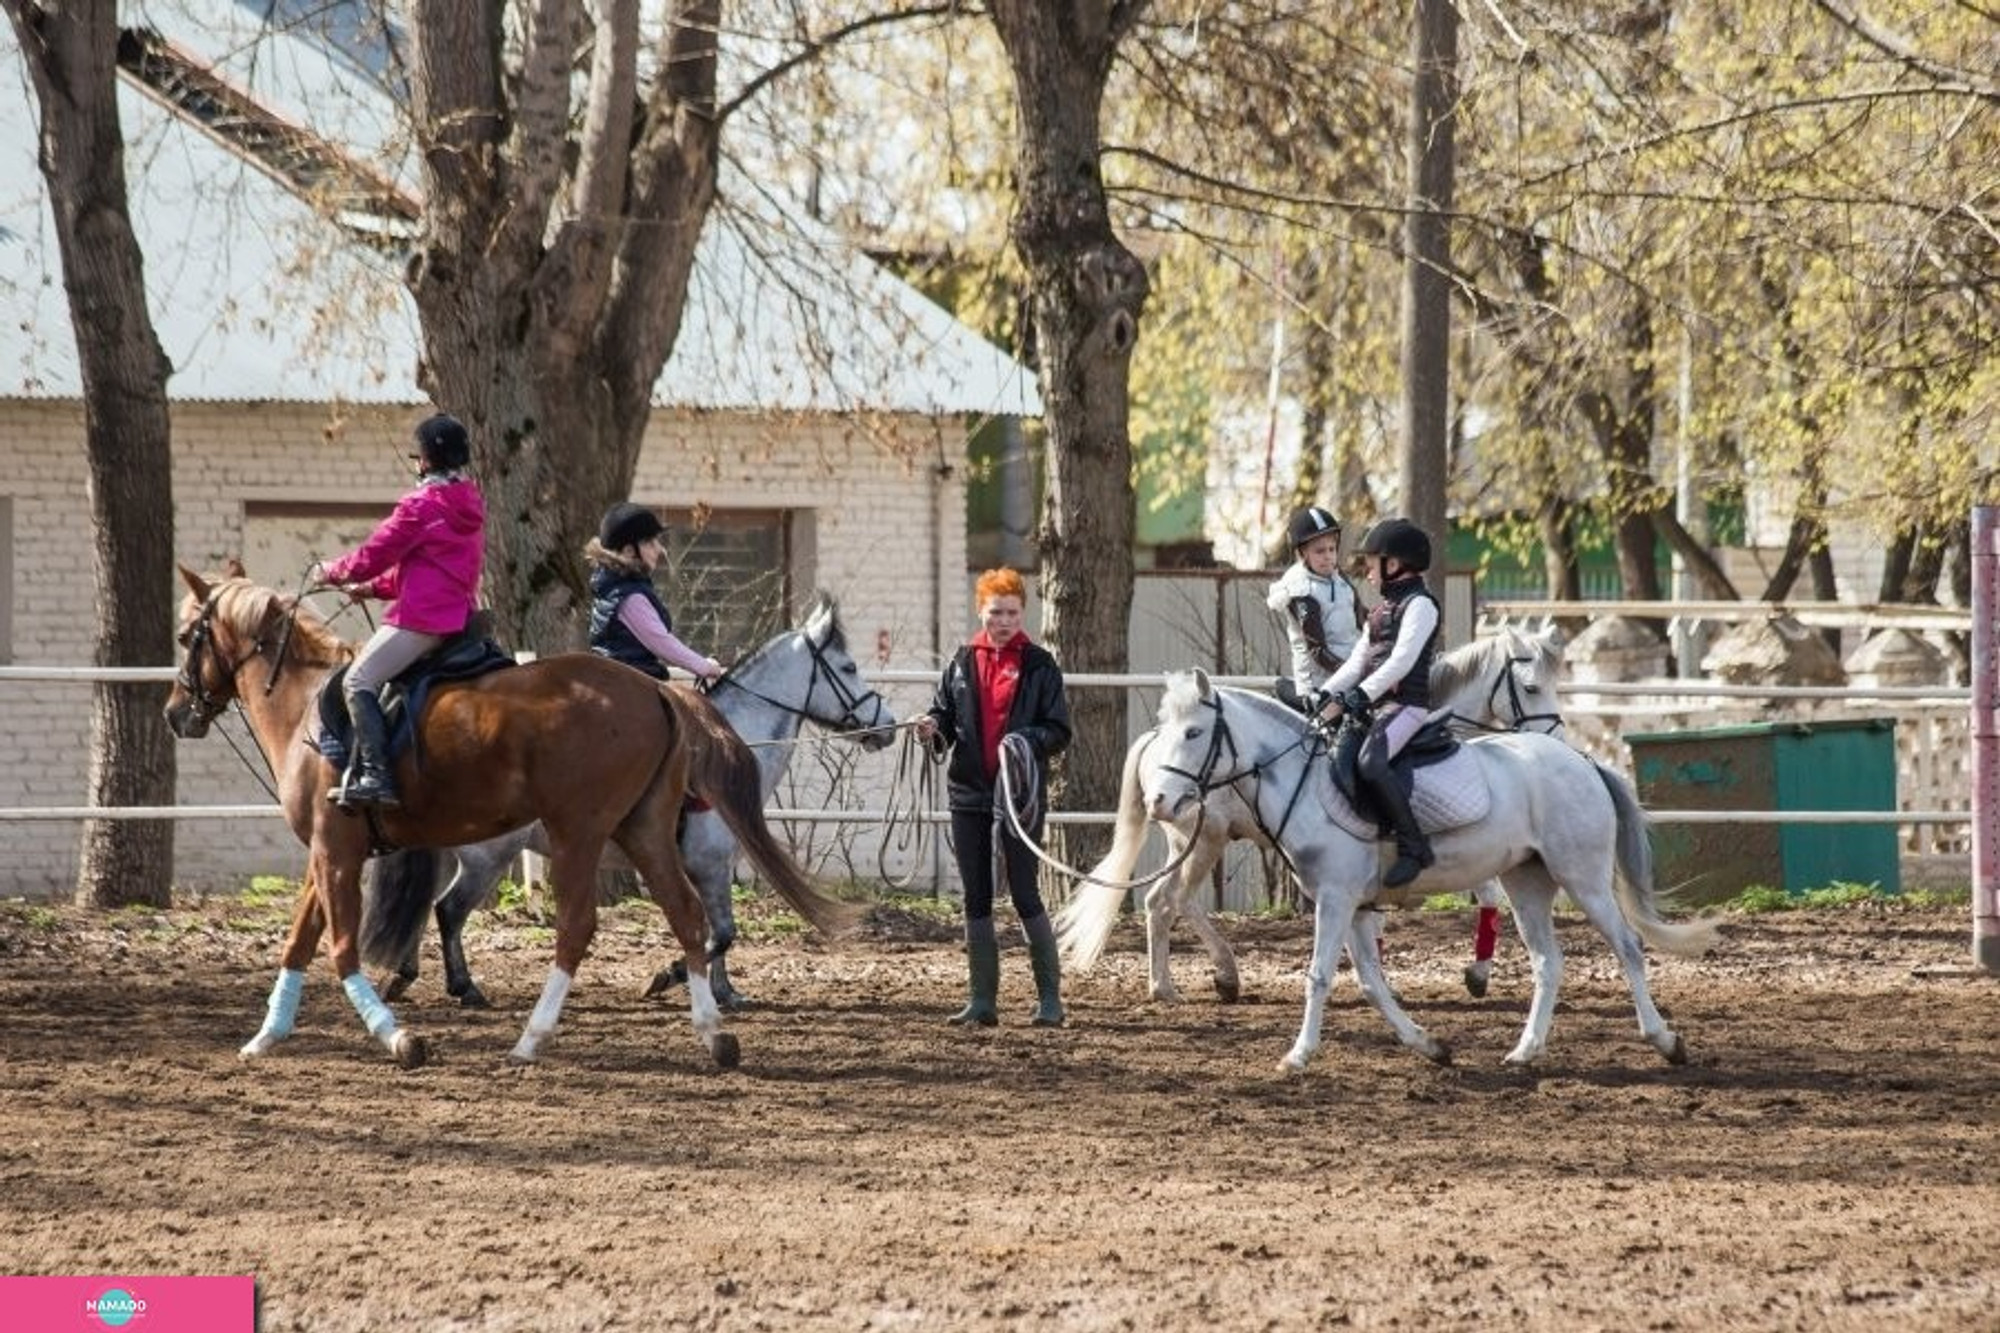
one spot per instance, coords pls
(71, 53)
(1087, 293)
(555, 259)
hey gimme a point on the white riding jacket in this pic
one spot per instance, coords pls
(1339, 619)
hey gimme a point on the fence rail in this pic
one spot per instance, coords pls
(1924, 698)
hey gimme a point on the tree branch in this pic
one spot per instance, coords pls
(816, 46)
(1897, 47)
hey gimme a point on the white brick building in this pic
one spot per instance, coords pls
(811, 395)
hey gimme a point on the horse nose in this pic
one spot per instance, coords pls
(1159, 808)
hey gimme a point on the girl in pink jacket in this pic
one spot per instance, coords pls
(424, 560)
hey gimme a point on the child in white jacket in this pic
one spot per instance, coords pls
(1318, 604)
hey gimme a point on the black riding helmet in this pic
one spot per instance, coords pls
(1309, 523)
(1400, 540)
(442, 444)
(627, 524)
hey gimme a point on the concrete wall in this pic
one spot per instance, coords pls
(882, 499)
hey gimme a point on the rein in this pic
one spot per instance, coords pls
(849, 701)
(1008, 806)
(1310, 740)
(912, 791)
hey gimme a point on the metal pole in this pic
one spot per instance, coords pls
(1985, 744)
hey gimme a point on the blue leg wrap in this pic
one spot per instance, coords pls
(375, 1015)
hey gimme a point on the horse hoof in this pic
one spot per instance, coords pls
(474, 998)
(1292, 1064)
(410, 1050)
(1677, 1053)
(666, 979)
(733, 1003)
(1229, 992)
(1439, 1052)
(394, 987)
(1475, 983)
(728, 1052)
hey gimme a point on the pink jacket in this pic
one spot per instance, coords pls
(424, 559)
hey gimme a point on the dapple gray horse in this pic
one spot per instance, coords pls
(1504, 681)
(806, 674)
(1557, 821)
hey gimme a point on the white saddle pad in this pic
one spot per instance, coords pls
(1448, 795)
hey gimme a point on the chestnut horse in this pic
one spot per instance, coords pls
(594, 750)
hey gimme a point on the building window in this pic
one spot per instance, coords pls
(727, 577)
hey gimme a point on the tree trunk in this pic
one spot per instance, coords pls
(1559, 548)
(1427, 274)
(71, 54)
(553, 268)
(1088, 292)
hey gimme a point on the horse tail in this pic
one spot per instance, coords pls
(1637, 896)
(397, 890)
(1084, 923)
(723, 772)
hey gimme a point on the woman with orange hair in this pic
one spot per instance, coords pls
(998, 687)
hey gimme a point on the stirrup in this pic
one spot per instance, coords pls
(1409, 864)
(365, 788)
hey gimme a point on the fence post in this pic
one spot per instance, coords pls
(1985, 743)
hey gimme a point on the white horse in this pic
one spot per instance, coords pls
(1556, 820)
(1507, 681)
(802, 675)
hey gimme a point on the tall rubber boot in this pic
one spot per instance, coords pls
(1047, 963)
(1413, 849)
(369, 778)
(982, 966)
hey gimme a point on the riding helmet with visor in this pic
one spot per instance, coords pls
(1400, 540)
(1311, 522)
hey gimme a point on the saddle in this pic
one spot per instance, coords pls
(470, 653)
(1440, 778)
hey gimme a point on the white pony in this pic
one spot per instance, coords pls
(1555, 820)
(1505, 681)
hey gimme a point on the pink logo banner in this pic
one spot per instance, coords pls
(141, 1304)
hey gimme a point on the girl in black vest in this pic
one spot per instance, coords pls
(628, 621)
(1387, 681)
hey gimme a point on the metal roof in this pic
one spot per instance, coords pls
(256, 297)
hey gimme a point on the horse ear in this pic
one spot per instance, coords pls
(1203, 686)
(196, 584)
(232, 568)
(1554, 637)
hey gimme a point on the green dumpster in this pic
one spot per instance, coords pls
(1775, 766)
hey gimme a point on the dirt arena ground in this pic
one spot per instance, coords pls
(1829, 1159)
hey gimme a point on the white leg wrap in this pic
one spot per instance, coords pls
(701, 1003)
(542, 1022)
(279, 1015)
(375, 1015)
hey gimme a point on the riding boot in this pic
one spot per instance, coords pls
(1042, 956)
(370, 781)
(1413, 849)
(982, 962)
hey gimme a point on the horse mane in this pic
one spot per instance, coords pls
(1462, 666)
(251, 608)
(1455, 670)
(824, 604)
